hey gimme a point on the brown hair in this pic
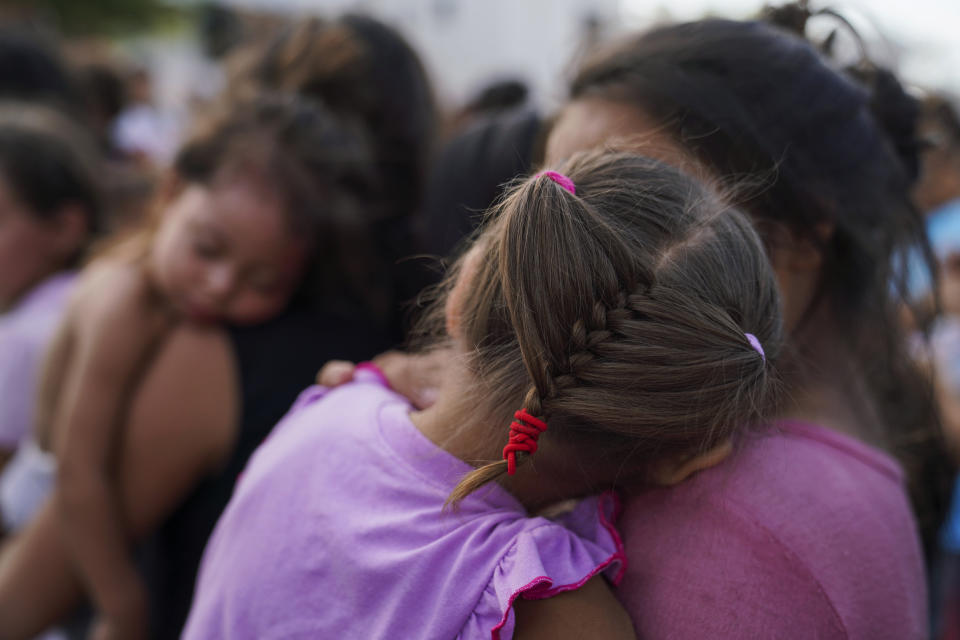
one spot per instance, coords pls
(359, 66)
(317, 164)
(619, 314)
(364, 69)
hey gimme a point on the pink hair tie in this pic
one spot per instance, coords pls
(752, 339)
(376, 371)
(560, 179)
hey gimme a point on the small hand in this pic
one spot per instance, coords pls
(335, 373)
(415, 376)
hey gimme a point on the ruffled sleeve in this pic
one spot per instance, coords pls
(549, 559)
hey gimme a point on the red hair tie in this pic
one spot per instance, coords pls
(524, 432)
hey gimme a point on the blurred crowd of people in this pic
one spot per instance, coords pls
(748, 347)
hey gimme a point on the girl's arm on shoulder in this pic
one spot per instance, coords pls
(589, 612)
(180, 427)
(117, 325)
(415, 376)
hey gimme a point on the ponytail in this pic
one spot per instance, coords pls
(626, 291)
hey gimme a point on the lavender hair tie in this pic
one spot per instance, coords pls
(752, 339)
(560, 179)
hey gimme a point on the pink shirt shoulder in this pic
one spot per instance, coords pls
(806, 531)
(25, 333)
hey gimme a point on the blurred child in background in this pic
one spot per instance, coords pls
(261, 200)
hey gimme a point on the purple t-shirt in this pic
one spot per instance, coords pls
(806, 533)
(25, 333)
(336, 530)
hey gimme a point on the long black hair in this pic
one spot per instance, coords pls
(363, 69)
(747, 98)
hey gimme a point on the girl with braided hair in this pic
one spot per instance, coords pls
(808, 530)
(619, 318)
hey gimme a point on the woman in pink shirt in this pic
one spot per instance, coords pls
(807, 531)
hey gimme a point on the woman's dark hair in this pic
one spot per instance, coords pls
(745, 98)
(32, 69)
(317, 163)
(502, 95)
(364, 69)
(619, 315)
(49, 163)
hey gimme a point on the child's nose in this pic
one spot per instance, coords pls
(220, 282)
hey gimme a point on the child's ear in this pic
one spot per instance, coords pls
(675, 471)
(453, 309)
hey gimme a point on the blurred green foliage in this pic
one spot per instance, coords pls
(117, 18)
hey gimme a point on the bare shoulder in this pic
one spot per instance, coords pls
(181, 423)
(110, 279)
(114, 294)
(591, 611)
(196, 366)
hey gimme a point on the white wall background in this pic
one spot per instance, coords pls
(466, 44)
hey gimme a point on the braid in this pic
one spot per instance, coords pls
(627, 304)
(590, 338)
(532, 402)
